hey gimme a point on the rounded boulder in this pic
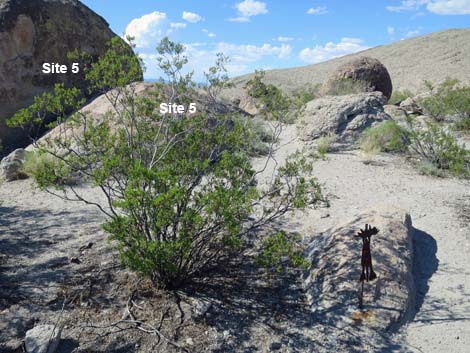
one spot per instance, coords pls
(368, 73)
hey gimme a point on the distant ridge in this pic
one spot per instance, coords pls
(430, 57)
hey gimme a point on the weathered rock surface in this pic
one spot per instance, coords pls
(11, 165)
(332, 283)
(37, 32)
(42, 339)
(369, 71)
(410, 106)
(346, 116)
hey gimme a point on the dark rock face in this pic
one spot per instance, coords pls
(36, 32)
(367, 70)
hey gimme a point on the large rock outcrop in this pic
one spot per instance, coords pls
(37, 32)
(332, 283)
(345, 116)
(369, 73)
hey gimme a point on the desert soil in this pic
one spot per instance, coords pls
(39, 234)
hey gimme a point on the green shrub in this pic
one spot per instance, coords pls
(180, 191)
(46, 168)
(449, 99)
(305, 95)
(399, 96)
(439, 148)
(385, 137)
(463, 125)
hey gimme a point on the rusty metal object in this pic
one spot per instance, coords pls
(367, 273)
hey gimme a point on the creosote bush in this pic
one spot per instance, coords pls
(180, 192)
(449, 99)
(438, 148)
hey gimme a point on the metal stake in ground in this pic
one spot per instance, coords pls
(368, 273)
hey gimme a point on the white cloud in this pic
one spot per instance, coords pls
(450, 7)
(253, 53)
(390, 30)
(244, 58)
(191, 17)
(408, 5)
(412, 33)
(178, 25)
(332, 50)
(439, 7)
(239, 19)
(284, 39)
(249, 8)
(320, 10)
(146, 29)
(209, 34)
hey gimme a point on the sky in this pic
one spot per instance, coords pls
(271, 34)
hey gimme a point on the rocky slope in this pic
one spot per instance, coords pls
(37, 32)
(431, 57)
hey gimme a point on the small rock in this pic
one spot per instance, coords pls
(42, 339)
(199, 307)
(226, 333)
(189, 341)
(12, 165)
(410, 106)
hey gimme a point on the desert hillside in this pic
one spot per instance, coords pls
(431, 57)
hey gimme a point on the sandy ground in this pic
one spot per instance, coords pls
(39, 233)
(442, 237)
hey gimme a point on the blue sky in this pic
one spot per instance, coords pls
(270, 34)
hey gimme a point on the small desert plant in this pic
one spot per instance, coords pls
(305, 95)
(325, 144)
(439, 148)
(281, 249)
(427, 168)
(347, 86)
(368, 156)
(386, 137)
(399, 96)
(259, 136)
(43, 166)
